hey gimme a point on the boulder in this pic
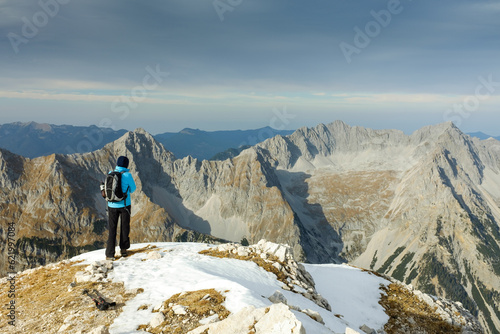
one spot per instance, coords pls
(82, 276)
(154, 256)
(314, 315)
(274, 319)
(277, 297)
(368, 330)
(157, 320)
(279, 319)
(179, 309)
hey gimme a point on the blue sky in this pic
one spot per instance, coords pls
(240, 64)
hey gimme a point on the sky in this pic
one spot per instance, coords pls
(241, 64)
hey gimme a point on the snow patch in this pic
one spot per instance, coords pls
(354, 293)
(232, 228)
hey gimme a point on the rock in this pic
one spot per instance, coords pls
(97, 277)
(134, 291)
(277, 266)
(349, 330)
(108, 264)
(279, 319)
(368, 330)
(314, 315)
(243, 252)
(278, 297)
(157, 320)
(95, 272)
(81, 277)
(158, 308)
(100, 330)
(179, 309)
(64, 328)
(210, 320)
(282, 252)
(274, 319)
(154, 256)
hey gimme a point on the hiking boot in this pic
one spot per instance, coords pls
(124, 253)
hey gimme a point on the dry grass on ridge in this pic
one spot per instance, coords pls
(44, 301)
(199, 305)
(254, 257)
(408, 314)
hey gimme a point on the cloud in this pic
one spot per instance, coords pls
(263, 53)
(287, 43)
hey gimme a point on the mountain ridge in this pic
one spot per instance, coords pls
(421, 207)
(223, 289)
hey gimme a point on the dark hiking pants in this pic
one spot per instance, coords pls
(113, 215)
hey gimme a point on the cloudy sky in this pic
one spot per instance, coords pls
(241, 64)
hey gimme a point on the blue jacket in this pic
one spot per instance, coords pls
(128, 185)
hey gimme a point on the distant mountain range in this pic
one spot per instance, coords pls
(35, 140)
(482, 135)
(206, 145)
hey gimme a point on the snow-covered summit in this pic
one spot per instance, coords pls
(229, 288)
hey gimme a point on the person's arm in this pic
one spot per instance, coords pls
(130, 183)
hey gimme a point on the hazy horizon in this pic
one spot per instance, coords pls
(238, 129)
(165, 66)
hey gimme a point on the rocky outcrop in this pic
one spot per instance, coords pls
(279, 259)
(276, 318)
(95, 272)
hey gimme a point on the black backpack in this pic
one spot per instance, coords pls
(113, 187)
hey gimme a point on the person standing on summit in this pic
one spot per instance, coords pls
(121, 210)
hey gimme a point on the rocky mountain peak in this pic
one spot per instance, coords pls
(140, 130)
(11, 168)
(34, 125)
(139, 145)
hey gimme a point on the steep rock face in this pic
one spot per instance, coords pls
(423, 208)
(442, 231)
(235, 198)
